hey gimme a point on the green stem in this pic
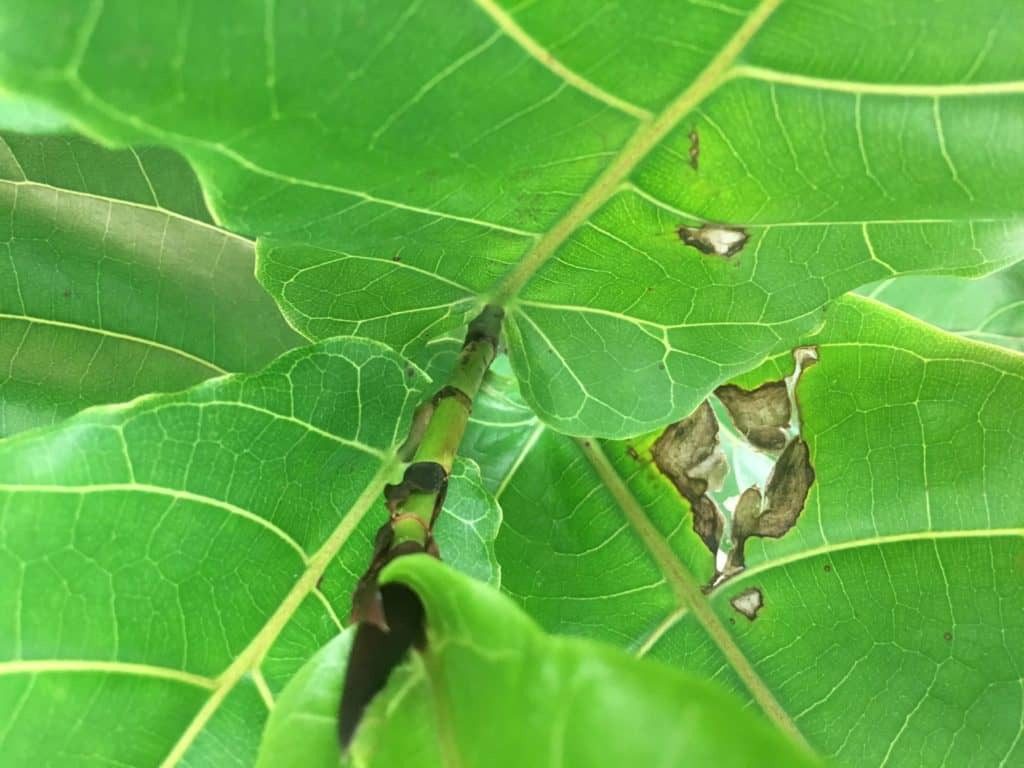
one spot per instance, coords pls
(443, 433)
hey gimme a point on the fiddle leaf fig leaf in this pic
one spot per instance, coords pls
(114, 283)
(584, 704)
(894, 592)
(671, 196)
(166, 566)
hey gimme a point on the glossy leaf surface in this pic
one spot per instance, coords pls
(402, 163)
(114, 283)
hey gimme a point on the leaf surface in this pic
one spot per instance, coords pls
(167, 565)
(403, 164)
(114, 282)
(887, 623)
(546, 700)
(989, 309)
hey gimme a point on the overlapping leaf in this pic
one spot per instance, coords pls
(990, 309)
(888, 626)
(402, 163)
(583, 705)
(113, 282)
(166, 566)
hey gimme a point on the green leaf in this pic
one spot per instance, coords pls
(890, 628)
(115, 283)
(492, 690)
(19, 114)
(167, 565)
(466, 531)
(303, 728)
(990, 309)
(403, 164)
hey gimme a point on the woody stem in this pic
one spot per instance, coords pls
(447, 425)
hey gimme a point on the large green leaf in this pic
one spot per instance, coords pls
(891, 629)
(167, 566)
(403, 162)
(492, 690)
(114, 283)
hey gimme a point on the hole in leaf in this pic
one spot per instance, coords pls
(767, 421)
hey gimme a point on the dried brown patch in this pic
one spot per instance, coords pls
(687, 453)
(775, 513)
(714, 240)
(761, 415)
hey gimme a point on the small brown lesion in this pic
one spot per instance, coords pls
(748, 603)
(714, 239)
(694, 148)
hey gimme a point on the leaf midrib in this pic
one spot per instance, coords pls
(806, 554)
(687, 588)
(252, 656)
(651, 130)
(649, 133)
(44, 666)
(646, 137)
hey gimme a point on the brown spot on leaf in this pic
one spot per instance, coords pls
(775, 513)
(687, 453)
(694, 148)
(632, 453)
(748, 602)
(714, 240)
(768, 417)
(947, 636)
(828, 568)
(761, 415)
(788, 486)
